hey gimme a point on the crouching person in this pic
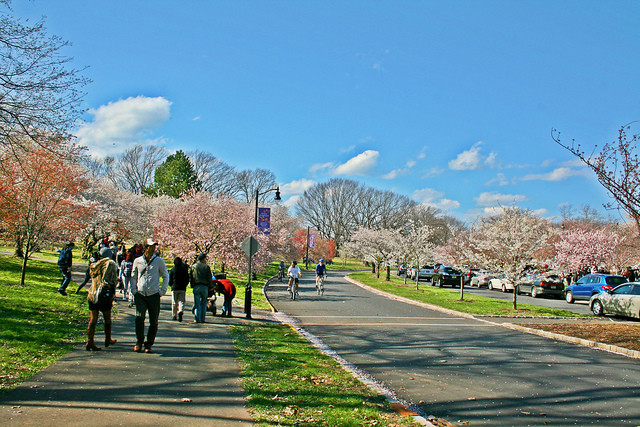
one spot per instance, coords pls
(228, 289)
(104, 277)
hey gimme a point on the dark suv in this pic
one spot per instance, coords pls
(592, 284)
(445, 275)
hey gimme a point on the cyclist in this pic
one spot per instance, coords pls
(281, 270)
(321, 271)
(294, 274)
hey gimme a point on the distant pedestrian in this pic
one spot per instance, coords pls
(65, 261)
(104, 276)
(228, 289)
(201, 279)
(629, 274)
(178, 280)
(145, 283)
(124, 274)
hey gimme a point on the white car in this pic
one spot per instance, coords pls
(623, 300)
(501, 283)
(481, 278)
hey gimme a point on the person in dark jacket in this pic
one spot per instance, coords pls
(65, 261)
(228, 289)
(201, 279)
(178, 280)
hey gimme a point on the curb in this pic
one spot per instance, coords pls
(634, 354)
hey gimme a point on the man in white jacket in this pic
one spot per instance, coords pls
(145, 285)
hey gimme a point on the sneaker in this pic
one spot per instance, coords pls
(62, 292)
(179, 317)
(137, 348)
(174, 318)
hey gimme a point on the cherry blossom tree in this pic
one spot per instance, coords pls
(39, 194)
(201, 223)
(415, 246)
(377, 246)
(510, 241)
(617, 167)
(584, 246)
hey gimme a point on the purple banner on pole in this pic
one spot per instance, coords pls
(264, 220)
(312, 240)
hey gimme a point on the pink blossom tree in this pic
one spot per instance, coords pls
(202, 223)
(584, 246)
(416, 246)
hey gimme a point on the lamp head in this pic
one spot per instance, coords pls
(278, 194)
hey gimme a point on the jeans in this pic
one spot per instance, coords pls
(151, 304)
(128, 291)
(177, 302)
(66, 278)
(200, 294)
(226, 307)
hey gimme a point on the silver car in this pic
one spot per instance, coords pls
(623, 300)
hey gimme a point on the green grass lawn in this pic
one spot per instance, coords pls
(450, 298)
(289, 383)
(38, 324)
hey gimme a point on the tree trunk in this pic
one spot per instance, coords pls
(461, 288)
(388, 273)
(24, 270)
(377, 270)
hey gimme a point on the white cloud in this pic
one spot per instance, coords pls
(434, 171)
(358, 165)
(297, 187)
(473, 159)
(411, 163)
(291, 201)
(348, 149)
(434, 198)
(319, 166)
(497, 199)
(400, 172)
(559, 174)
(122, 124)
(500, 180)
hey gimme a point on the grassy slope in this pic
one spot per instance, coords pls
(38, 324)
(450, 298)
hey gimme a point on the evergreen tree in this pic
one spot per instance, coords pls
(175, 176)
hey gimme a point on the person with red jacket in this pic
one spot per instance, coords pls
(228, 289)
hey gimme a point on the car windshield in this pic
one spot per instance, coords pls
(450, 270)
(615, 281)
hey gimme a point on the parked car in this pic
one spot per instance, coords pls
(466, 277)
(446, 275)
(623, 300)
(411, 272)
(481, 279)
(539, 285)
(501, 283)
(426, 272)
(402, 269)
(590, 285)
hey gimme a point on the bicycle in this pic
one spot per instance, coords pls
(320, 284)
(293, 288)
(281, 275)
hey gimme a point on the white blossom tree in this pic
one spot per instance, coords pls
(377, 246)
(511, 241)
(416, 247)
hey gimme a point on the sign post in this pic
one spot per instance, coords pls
(250, 246)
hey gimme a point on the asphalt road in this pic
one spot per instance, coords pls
(466, 370)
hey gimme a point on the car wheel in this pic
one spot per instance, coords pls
(597, 308)
(534, 293)
(490, 287)
(569, 297)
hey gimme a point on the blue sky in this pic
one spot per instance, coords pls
(450, 103)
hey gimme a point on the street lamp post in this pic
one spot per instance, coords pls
(248, 291)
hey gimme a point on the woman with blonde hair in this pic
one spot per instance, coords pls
(104, 278)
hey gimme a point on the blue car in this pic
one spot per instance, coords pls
(590, 285)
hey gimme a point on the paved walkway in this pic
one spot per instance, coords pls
(191, 378)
